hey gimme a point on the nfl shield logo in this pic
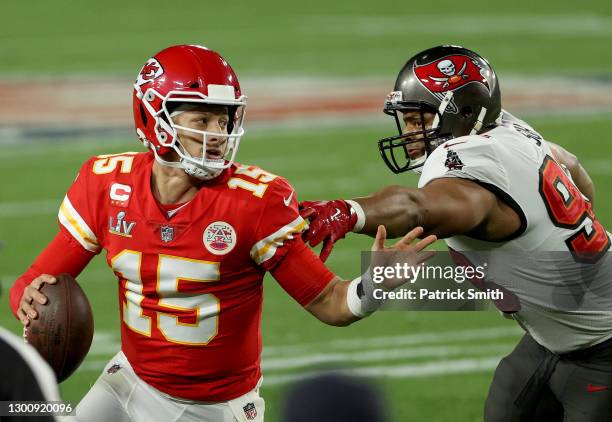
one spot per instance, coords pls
(114, 369)
(249, 411)
(167, 233)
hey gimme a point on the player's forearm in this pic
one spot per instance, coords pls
(331, 306)
(579, 175)
(395, 207)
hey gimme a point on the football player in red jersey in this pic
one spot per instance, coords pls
(490, 182)
(190, 234)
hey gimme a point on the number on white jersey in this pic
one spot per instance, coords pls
(568, 208)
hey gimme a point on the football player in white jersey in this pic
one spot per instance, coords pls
(490, 182)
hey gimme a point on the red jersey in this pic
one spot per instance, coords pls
(190, 285)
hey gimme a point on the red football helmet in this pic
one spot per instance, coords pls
(173, 79)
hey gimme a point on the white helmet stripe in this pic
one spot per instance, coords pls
(445, 101)
(478, 124)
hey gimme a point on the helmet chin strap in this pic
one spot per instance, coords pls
(189, 168)
(199, 173)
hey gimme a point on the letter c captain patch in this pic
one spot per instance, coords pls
(120, 195)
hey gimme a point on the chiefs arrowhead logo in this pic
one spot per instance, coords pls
(151, 70)
(449, 73)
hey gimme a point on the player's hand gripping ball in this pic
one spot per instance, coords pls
(63, 331)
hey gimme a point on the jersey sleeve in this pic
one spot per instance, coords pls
(469, 157)
(301, 273)
(62, 255)
(279, 224)
(76, 215)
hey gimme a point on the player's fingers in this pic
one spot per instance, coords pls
(423, 243)
(410, 236)
(23, 317)
(311, 232)
(25, 308)
(28, 309)
(26, 297)
(306, 213)
(48, 278)
(305, 204)
(319, 234)
(38, 297)
(36, 283)
(328, 245)
(43, 278)
(379, 241)
(27, 294)
(314, 232)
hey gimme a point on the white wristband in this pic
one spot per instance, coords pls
(360, 215)
(362, 306)
(353, 301)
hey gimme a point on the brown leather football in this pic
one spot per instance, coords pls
(63, 331)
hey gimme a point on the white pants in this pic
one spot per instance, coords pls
(119, 395)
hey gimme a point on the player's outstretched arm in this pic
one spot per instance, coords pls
(444, 207)
(579, 175)
(343, 302)
(62, 255)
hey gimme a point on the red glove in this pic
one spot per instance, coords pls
(330, 221)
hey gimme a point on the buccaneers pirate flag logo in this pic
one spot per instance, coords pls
(450, 73)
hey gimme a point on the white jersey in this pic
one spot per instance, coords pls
(516, 163)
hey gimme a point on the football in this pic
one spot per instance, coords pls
(63, 331)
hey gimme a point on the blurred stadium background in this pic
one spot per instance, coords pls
(316, 73)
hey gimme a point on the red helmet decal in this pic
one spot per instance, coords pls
(151, 70)
(449, 73)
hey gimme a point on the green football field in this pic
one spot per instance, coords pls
(433, 366)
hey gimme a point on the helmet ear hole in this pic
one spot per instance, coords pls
(467, 111)
(233, 114)
(143, 115)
